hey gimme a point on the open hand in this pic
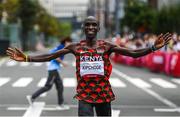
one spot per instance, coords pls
(163, 39)
(16, 54)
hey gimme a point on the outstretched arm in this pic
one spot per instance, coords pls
(18, 55)
(159, 43)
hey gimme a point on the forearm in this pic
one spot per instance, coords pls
(141, 52)
(42, 58)
(47, 57)
(132, 53)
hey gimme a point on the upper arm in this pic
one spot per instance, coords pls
(121, 50)
(67, 49)
(51, 56)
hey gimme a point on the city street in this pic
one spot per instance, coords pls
(138, 91)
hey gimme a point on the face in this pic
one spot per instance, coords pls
(91, 28)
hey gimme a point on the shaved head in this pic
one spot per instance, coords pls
(90, 19)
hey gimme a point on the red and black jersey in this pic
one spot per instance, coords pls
(93, 69)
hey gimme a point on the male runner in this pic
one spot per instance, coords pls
(93, 67)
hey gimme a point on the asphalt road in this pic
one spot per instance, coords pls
(138, 92)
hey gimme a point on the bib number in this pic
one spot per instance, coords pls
(92, 68)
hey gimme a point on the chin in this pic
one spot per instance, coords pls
(91, 36)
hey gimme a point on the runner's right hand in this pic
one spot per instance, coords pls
(16, 54)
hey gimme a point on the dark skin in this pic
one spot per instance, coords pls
(90, 28)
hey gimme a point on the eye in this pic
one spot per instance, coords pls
(94, 24)
(91, 24)
(87, 24)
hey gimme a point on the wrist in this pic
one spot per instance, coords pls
(153, 48)
(26, 58)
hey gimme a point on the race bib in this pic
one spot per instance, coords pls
(92, 68)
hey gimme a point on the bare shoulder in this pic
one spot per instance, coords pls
(72, 46)
(110, 44)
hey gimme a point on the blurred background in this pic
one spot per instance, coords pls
(38, 25)
(26, 23)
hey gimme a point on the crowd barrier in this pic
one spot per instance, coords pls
(167, 62)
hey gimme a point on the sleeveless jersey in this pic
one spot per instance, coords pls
(93, 69)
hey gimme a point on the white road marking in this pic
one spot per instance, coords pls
(163, 83)
(11, 63)
(151, 92)
(24, 64)
(42, 82)
(47, 63)
(140, 83)
(43, 95)
(22, 82)
(115, 113)
(2, 61)
(34, 110)
(69, 82)
(3, 81)
(17, 108)
(167, 109)
(37, 64)
(176, 81)
(116, 82)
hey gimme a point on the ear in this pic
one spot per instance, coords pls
(98, 28)
(82, 27)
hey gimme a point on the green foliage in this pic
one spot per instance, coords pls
(11, 7)
(31, 13)
(27, 13)
(168, 19)
(65, 29)
(137, 15)
(51, 26)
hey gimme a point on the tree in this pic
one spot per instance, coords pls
(51, 26)
(27, 15)
(139, 16)
(11, 7)
(168, 19)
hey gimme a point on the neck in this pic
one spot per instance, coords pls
(91, 41)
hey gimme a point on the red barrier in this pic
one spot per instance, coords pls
(168, 58)
(114, 57)
(175, 65)
(130, 61)
(156, 61)
(139, 62)
(148, 60)
(121, 59)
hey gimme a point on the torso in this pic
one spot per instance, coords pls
(93, 70)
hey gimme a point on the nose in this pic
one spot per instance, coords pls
(90, 26)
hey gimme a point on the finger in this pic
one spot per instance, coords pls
(9, 55)
(160, 36)
(11, 49)
(166, 43)
(13, 58)
(166, 35)
(168, 38)
(9, 52)
(18, 50)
